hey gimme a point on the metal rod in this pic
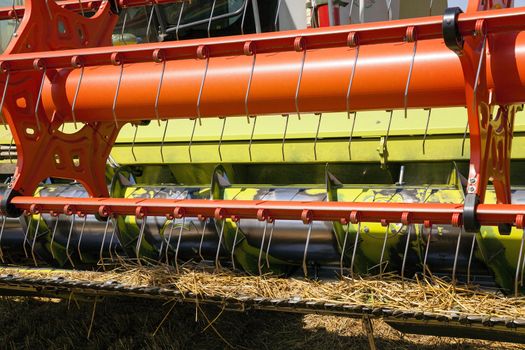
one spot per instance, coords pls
(69, 240)
(177, 249)
(101, 251)
(256, 17)
(261, 248)
(268, 246)
(317, 134)
(34, 242)
(217, 254)
(354, 250)
(284, 134)
(426, 128)
(202, 238)
(343, 250)
(235, 244)
(80, 237)
(381, 270)
(169, 240)
(403, 264)
(426, 250)
(305, 267)
(470, 257)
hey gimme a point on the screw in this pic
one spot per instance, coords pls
(471, 188)
(366, 229)
(472, 180)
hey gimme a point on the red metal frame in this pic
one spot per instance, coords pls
(42, 75)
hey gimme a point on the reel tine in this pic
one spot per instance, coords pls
(191, 139)
(73, 105)
(251, 138)
(516, 278)
(222, 135)
(80, 237)
(351, 135)
(426, 250)
(124, 21)
(116, 6)
(221, 234)
(178, 244)
(391, 111)
(344, 250)
(3, 99)
(150, 19)
(139, 239)
(113, 232)
(249, 50)
(277, 12)
(101, 252)
(261, 248)
(355, 249)
(299, 46)
(235, 243)
(211, 17)
(430, 7)
(81, 7)
(115, 98)
(456, 256)
(53, 235)
(163, 141)
(381, 270)
(410, 37)
(202, 238)
(202, 53)
(470, 257)
(159, 86)
(362, 8)
(317, 134)
(464, 139)
(17, 20)
(133, 142)
(1, 234)
(407, 244)
(287, 116)
(69, 240)
(305, 255)
(34, 242)
(172, 226)
(178, 20)
(268, 246)
(26, 235)
(244, 15)
(39, 96)
(426, 128)
(389, 9)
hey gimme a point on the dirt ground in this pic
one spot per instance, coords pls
(28, 323)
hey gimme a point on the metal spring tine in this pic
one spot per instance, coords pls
(17, 20)
(261, 248)
(299, 80)
(348, 92)
(430, 7)
(81, 7)
(217, 263)
(426, 250)
(1, 234)
(220, 139)
(159, 87)
(470, 257)
(172, 226)
(80, 237)
(516, 278)
(111, 239)
(362, 8)
(191, 139)
(456, 256)
(305, 267)
(115, 4)
(268, 246)
(244, 15)
(53, 237)
(426, 128)
(480, 63)
(139, 239)
(317, 134)
(73, 114)
(178, 20)
(277, 12)
(26, 235)
(410, 37)
(114, 108)
(178, 244)
(163, 141)
(39, 97)
(381, 270)
(133, 142)
(251, 138)
(69, 240)
(235, 243)
(388, 128)
(3, 98)
(211, 17)
(355, 250)
(344, 250)
(389, 9)
(249, 86)
(34, 242)
(202, 238)
(150, 20)
(407, 244)
(101, 252)
(464, 139)
(351, 136)
(124, 20)
(203, 81)
(284, 134)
